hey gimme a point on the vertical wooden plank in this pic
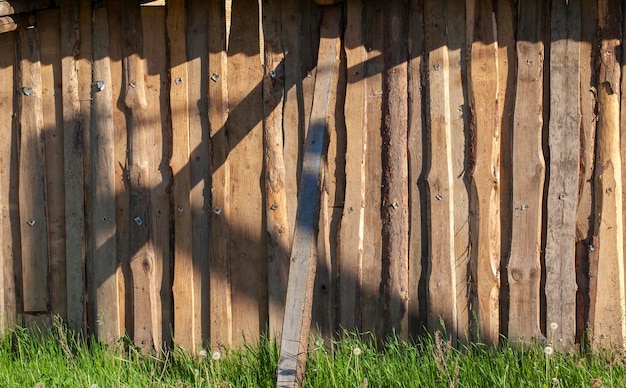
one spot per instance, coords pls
(49, 24)
(73, 167)
(32, 190)
(159, 149)
(485, 195)
(608, 304)
(221, 302)
(564, 143)
(524, 271)
(395, 191)
(105, 261)
(442, 291)
(277, 223)
(183, 288)
(416, 155)
(8, 163)
(247, 250)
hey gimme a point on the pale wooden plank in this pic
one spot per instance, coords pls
(8, 162)
(395, 189)
(183, 290)
(105, 263)
(564, 143)
(524, 269)
(607, 316)
(245, 133)
(32, 190)
(221, 300)
(73, 167)
(159, 149)
(442, 293)
(297, 321)
(483, 94)
(277, 224)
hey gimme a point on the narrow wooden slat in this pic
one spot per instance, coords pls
(245, 134)
(277, 223)
(564, 143)
(608, 303)
(105, 261)
(483, 94)
(395, 189)
(16, 6)
(73, 167)
(159, 150)
(297, 320)
(8, 162)
(442, 281)
(524, 271)
(184, 298)
(32, 190)
(221, 301)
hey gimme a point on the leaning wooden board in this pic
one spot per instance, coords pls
(524, 270)
(562, 201)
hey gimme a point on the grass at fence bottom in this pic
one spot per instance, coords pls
(61, 359)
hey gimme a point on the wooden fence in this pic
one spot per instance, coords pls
(150, 162)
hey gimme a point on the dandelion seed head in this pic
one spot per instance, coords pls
(356, 351)
(196, 372)
(203, 354)
(554, 326)
(548, 350)
(543, 340)
(216, 356)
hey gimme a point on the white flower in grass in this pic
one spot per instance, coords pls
(548, 350)
(216, 355)
(554, 326)
(356, 351)
(196, 372)
(203, 354)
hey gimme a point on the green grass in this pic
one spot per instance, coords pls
(62, 359)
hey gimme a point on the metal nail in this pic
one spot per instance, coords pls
(273, 74)
(438, 197)
(215, 77)
(180, 209)
(178, 81)
(437, 67)
(99, 86)
(31, 222)
(103, 219)
(524, 207)
(132, 84)
(138, 221)
(27, 90)
(394, 205)
(217, 211)
(274, 206)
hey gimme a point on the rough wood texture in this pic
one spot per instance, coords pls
(442, 291)
(564, 143)
(485, 177)
(297, 320)
(277, 223)
(607, 286)
(105, 263)
(15, 6)
(221, 299)
(32, 189)
(524, 270)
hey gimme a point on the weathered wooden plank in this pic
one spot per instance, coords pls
(442, 291)
(105, 261)
(564, 143)
(524, 271)
(484, 177)
(50, 51)
(159, 149)
(183, 289)
(350, 254)
(245, 134)
(32, 190)
(607, 316)
(277, 223)
(416, 154)
(297, 321)
(395, 189)
(8, 165)
(72, 167)
(221, 302)
(16, 6)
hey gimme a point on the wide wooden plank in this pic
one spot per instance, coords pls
(395, 189)
(607, 313)
(277, 223)
(105, 263)
(442, 292)
(8, 168)
(484, 177)
(221, 301)
(564, 143)
(32, 190)
(183, 290)
(297, 320)
(524, 270)
(245, 134)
